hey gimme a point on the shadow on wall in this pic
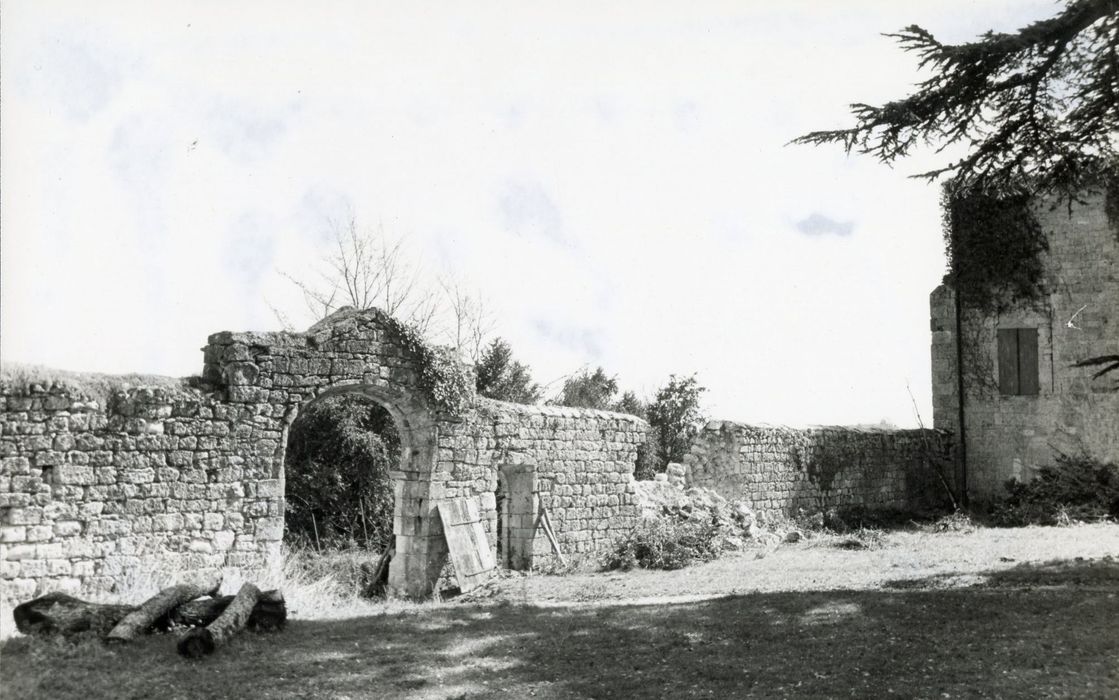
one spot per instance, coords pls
(786, 470)
(1012, 640)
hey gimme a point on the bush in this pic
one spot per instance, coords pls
(1075, 488)
(667, 543)
(338, 492)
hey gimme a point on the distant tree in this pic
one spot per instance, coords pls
(338, 491)
(503, 378)
(588, 390)
(1037, 109)
(676, 416)
(629, 403)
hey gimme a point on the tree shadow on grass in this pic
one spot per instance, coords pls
(1061, 573)
(1014, 639)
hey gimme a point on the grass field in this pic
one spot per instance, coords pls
(1023, 613)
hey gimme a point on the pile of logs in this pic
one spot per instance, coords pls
(212, 619)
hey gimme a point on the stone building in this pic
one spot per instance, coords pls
(191, 474)
(1023, 400)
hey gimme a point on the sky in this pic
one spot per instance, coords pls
(613, 180)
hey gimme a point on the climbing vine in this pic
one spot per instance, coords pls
(994, 246)
(448, 383)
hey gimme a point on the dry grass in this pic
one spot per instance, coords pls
(23, 379)
(316, 587)
(990, 613)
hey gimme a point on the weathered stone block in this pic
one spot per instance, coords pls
(30, 515)
(13, 533)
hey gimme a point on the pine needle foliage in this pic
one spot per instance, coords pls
(501, 377)
(1037, 108)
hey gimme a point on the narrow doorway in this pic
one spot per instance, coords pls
(516, 515)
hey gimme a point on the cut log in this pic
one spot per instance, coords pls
(158, 606)
(269, 613)
(58, 613)
(202, 641)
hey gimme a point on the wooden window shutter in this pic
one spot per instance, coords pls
(1027, 362)
(1008, 361)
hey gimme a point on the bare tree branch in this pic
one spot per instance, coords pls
(366, 269)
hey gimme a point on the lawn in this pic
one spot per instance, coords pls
(1025, 613)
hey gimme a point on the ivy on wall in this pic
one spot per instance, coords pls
(447, 382)
(994, 246)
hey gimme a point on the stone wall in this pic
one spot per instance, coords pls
(89, 495)
(1012, 436)
(581, 464)
(780, 470)
(93, 492)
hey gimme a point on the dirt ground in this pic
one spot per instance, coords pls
(905, 559)
(1015, 613)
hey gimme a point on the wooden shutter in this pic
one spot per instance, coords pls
(466, 540)
(1027, 362)
(1008, 360)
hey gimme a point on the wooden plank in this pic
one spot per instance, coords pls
(1008, 361)
(466, 541)
(1027, 362)
(547, 523)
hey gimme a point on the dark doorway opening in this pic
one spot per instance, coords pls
(338, 490)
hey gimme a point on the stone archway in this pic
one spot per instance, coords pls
(419, 549)
(274, 374)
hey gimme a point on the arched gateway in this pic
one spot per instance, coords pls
(582, 461)
(191, 474)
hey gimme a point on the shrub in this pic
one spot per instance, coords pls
(339, 494)
(676, 415)
(1074, 488)
(666, 543)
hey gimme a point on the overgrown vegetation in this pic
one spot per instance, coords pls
(351, 572)
(1074, 488)
(666, 543)
(339, 494)
(448, 383)
(676, 416)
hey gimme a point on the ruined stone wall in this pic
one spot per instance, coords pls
(91, 495)
(95, 492)
(1012, 436)
(582, 462)
(780, 470)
